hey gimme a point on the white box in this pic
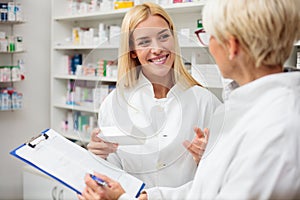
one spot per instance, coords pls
(114, 135)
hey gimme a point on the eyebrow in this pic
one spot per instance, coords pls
(160, 32)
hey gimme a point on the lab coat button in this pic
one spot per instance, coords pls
(160, 165)
(161, 109)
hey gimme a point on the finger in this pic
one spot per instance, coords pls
(93, 195)
(196, 150)
(87, 194)
(192, 148)
(94, 135)
(104, 178)
(80, 197)
(206, 132)
(199, 132)
(102, 147)
(187, 144)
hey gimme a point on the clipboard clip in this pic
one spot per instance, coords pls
(36, 140)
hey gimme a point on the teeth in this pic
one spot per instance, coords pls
(160, 59)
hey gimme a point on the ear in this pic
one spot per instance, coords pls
(133, 54)
(232, 46)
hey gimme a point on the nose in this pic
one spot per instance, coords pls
(156, 47)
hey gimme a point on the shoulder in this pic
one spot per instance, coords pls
(204, 95)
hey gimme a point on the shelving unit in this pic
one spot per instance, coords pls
(63, 22)
(10, 73)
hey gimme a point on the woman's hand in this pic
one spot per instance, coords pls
(198, 145)
(112, 191)
(99, 146)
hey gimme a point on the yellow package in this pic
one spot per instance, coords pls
(123, 4)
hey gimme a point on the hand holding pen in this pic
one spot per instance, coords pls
(99, 186)
(99, 181)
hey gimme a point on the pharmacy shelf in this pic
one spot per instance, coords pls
(12, 52)
(11, 22)
(84, 47)
(116, 14)
(76, 108)
(9, 82)
(87, 78)
(182, 44)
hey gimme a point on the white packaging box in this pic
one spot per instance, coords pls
(11, 11)
(114, 135)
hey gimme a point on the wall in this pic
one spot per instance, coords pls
(18, 126)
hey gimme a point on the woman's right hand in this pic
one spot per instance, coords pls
(100, 147)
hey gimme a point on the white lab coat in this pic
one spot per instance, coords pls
(257, 154)
(166, 123)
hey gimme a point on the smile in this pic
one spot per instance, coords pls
(159, 60)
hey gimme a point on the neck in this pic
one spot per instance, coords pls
(247, 75)
(161, 85)
(160, 91)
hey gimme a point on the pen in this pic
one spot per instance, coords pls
(98, 180)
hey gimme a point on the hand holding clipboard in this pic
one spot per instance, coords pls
(68, 163)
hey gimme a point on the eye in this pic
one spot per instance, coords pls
(164, 37)
(144, 42)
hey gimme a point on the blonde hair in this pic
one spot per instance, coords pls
(266, 29)
(128, 70)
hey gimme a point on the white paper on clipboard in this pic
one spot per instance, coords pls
(68, 163)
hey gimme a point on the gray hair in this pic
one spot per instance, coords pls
(266, 29)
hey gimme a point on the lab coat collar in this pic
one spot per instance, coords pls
(144, 82)
(251, 91)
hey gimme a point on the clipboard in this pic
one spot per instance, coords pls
(68, 163)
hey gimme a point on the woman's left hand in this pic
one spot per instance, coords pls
(112, 191)
(198, 145)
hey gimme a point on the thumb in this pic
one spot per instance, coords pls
(206, 133)
(94, 134)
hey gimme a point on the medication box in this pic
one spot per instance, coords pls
(115, 135)
(123, 4)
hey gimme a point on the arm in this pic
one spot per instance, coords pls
(162, 193)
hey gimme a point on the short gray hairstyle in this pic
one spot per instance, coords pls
(266, 29)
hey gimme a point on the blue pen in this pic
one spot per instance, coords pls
(98, 180)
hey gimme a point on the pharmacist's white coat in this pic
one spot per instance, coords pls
(257, 155)
(166, 123)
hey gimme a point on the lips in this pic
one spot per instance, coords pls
(159, 60)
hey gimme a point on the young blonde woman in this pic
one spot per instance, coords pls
(257, 156)
(157, 101)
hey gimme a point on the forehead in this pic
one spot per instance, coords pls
(153, 24)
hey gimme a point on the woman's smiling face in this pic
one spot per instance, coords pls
(154, 47)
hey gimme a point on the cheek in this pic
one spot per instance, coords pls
(141, 55)
(170, 46)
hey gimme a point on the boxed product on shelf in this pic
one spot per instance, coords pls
(78, 124)
(123, 4)
(106, 68)
(87, 93)
(10, 99)
(10, 73)
(11, 11)
(70, 63)
(10, 43)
